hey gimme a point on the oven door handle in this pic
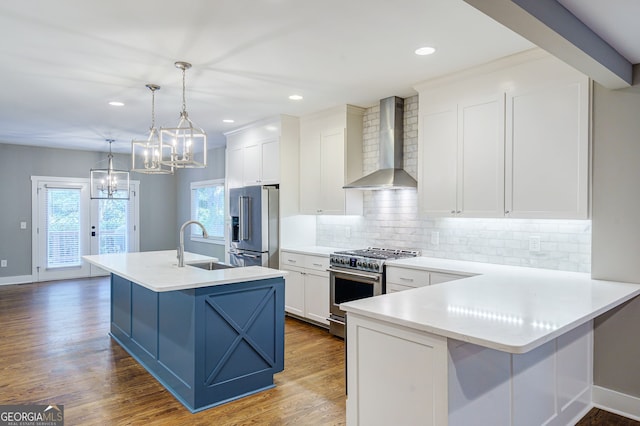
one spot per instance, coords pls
(336, 321)
(354, 274)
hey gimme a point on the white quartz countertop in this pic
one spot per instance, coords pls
(159, 271)
(313, 250)
(511, 309)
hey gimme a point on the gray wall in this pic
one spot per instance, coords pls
(17, 165)
(616, 232)
(215, 170)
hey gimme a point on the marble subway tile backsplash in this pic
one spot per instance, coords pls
(564, 244)
(391, 219)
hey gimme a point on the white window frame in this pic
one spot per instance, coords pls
(195, 235)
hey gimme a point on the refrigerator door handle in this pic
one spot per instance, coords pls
(245, 222)
(240, 219)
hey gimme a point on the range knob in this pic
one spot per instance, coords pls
(376, 266)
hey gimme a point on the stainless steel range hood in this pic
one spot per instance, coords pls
(390, 174)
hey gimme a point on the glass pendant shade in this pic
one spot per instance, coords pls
(183, 146)
(146, 155)
(109, 183)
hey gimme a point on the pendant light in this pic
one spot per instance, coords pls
(146, 155)
(184, 146)
(109, 183)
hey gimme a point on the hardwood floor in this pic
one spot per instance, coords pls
(598, 417)
(54, 348)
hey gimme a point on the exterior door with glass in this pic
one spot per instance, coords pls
(114, 227)
(70, 225)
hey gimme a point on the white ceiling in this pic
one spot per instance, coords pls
(64, 60)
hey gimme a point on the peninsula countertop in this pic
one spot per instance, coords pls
(512, 309)
(158, 270)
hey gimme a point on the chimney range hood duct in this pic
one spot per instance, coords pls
(390, 174)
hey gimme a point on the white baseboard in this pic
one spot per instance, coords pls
(616, 402)
(18, 279)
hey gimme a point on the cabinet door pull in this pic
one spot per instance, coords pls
(291, 260)
(317, 264)
(406, 279)
(453, 212)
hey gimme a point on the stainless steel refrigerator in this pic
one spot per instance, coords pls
(254, 226)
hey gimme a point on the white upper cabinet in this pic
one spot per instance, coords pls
(438, 133)
(462, 157)
(254, 151)
(509, 139)
(547, 152)
(331, 157)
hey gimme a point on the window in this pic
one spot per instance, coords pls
(63, 227)
(207, 207)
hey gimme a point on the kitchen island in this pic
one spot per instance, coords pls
(511, 347)
(208, 336)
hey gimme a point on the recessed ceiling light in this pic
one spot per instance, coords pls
(116, 103)
(426, 50)
(296, 97)
(227, 120)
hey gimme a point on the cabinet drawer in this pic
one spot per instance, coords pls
(440, 277)
(317, 263)
(292, 259)
(407, 277)
(394, 288)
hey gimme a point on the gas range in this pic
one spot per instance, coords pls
(370, 259)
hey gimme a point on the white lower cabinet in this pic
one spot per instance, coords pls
(306, 292)
(399, 278)
(432, 380)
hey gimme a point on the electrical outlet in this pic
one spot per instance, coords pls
(23, 225)
(435, 238)
(347, 231)
(534, 243)
(3, 263)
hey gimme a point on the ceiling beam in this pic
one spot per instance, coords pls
(555, 29)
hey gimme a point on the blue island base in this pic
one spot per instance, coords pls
(207, 346)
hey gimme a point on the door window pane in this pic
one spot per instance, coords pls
(63, 227)
(113, 226)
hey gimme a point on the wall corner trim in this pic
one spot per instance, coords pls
(616, 402)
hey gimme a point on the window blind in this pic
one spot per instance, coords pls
(113, 226)
(63, 227)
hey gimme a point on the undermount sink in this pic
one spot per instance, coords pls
(211, 266)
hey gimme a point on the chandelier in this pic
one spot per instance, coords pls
(183, 146)
(109, 183)
(146, 154)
